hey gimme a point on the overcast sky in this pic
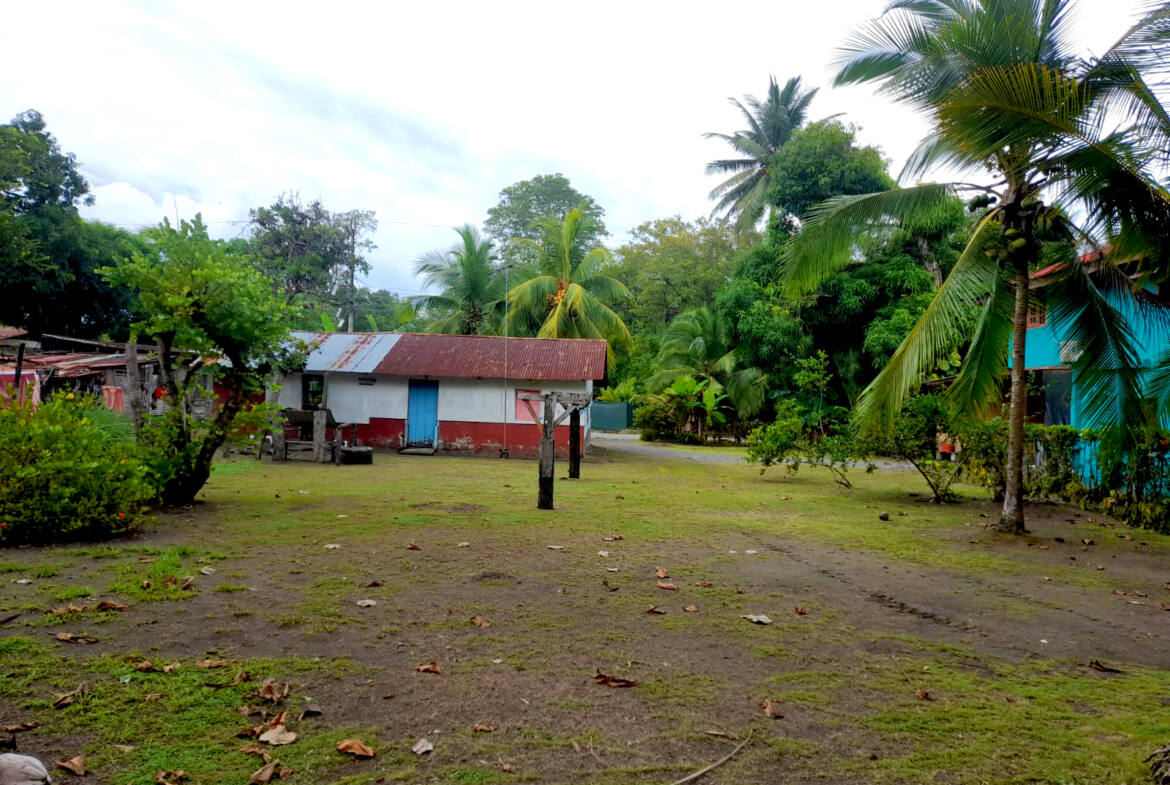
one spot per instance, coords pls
(422, 112)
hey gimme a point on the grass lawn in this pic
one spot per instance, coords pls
(925, 649)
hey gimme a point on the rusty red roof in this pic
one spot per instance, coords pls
(494, 357)
(11, 332)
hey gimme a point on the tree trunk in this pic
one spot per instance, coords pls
(575, 445)
(1012, 517)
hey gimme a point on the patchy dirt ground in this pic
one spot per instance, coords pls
(925, 649)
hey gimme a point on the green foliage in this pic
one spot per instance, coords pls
(792, 440)
(915, 437)
(524, 206)
(656, 418)
(625, 392)
(203, 302)
(66, 473)
(984, 445)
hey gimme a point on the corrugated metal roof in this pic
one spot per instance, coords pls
(11, 332)
(484, 356)
(347, 352)
(456, 356)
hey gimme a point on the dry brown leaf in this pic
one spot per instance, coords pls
(145, 559)
(216, 663)
(268, 772)
(252, 748)
(503, 766)
(607, 587)
(719, 734)
(20, 727)
(771, 709)
(170, 777)
(422, 747)
(355, 748)
(800, 611)
(75, 637)
(146, 666)
(480, 621)
(108, 605)
(278, 719)
(1097, 665)
(691, 609)
(667, 585)
(704, 585)
(616, 536)
(612, 681)
(923, 695)
(483, 727)
(174, 666)
(68, 698)
(247, 711)
(413, 547)
(656, 610)
(269, 691)
(1165, 606)
(250, 733)
(75, 765)
(187, 582)
(428, 667)
(661, 573)
(311, 710)
(373, 585)
(151, 696)
(68, 609)
(278, 736)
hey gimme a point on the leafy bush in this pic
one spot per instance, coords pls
(914, 437)
(655, 417)
(67, 471)
(984, 443)
(791, 441)
(625, 392)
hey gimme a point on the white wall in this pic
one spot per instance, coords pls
(465, 400)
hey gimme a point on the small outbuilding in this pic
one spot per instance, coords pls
(447, 393)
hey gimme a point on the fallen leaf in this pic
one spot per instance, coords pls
(250, 733)
(771, 709)
(75, 637)
(556, 547)
(616, 536)
(247, 711)
(480, 621)
(186, 583)
(756, 618)
(20, 727)
(277, 719)
(207, 570)
(503, 766)
(422, 747)
(373, 585)
(332, 546)
(212, 663)
(355, 748)
(125, 747)
(603, 554)
(151, 696)
(661, 573)
(311, 710)
(145, 559)
(605, 584)
(1088, 541)
(68, 609)
(428, 667)
(268, 772)
(667, 585)
(655, 609)
(718, 734)
(74, 765)
(704, 585)
(462, 544)
(1097, 665)
(691, 609)
(800, 611)
(366, 603)
(170, 777)
(618, 496)
(750, 552)
(483, 727)
(240, 678)
(252, 748)
(146, 666)
(174, 666)
(107, 605)
(413, 547)
(269, 691)
(278, 736)
(612, 681)
(923, 695)
(68, 698)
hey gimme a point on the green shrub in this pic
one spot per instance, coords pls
(656, 419)
(914, 438)
(793, 439)
(67, 472)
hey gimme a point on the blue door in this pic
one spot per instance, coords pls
(422, 414)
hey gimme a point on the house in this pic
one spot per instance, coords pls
(1050, 354)
(449, 393)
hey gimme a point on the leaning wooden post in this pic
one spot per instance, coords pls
(548, 448)
(575, 444)
(319, 435)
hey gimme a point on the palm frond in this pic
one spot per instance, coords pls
(976, 390)
(1158, 385)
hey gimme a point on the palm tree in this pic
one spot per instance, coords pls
(770, 125)
(697, 344)
(1072, 145)
(566, 292)
(469, 285)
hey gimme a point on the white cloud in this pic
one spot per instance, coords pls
(423, 112)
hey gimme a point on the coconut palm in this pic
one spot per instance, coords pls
(469, 286)
(771, 122)
(697, 344)
(566, 293)
(1072, 145)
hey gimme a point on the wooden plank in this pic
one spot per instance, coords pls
(575, 444)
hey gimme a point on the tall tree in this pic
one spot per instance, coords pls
(771, 122)
(469, 286)
(201, 302)
(1073, 145)
(567, 293)
(300, 247)
(355, 226)
(525, 204)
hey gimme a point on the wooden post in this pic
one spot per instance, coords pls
(19, 370)
(319, 436)
(575, 444)
(548, 452)
(133, 386)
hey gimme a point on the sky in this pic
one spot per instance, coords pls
(423, 112)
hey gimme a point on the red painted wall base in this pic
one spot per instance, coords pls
(485, 438)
